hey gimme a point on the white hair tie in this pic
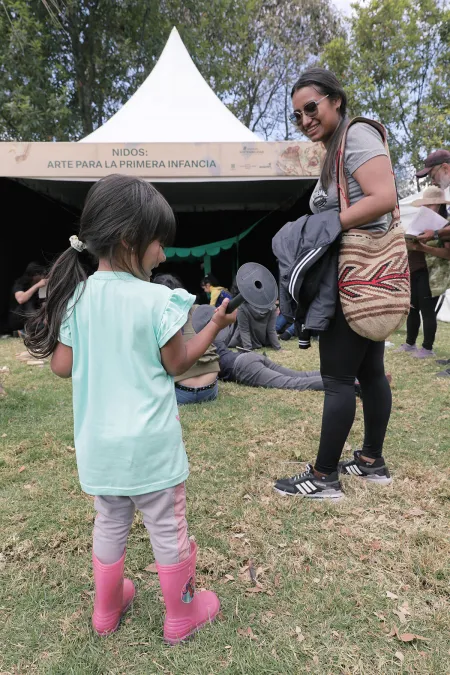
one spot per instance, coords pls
(77, 244)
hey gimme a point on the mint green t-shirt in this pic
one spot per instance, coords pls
(127, 431)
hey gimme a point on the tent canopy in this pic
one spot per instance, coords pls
(173, 105)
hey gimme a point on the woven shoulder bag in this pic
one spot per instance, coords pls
(373, 275)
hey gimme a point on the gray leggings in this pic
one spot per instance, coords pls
(164, 514)
(256, 370)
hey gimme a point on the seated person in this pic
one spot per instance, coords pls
(253, 370)
(284, 328)
(255, 328)
(199, 383)
(216, 293)
(25, 296)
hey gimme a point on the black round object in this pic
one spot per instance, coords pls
(257, 285)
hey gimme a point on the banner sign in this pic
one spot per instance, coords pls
(160, 161)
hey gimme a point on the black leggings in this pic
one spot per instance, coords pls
(344, 356)
(421, 303)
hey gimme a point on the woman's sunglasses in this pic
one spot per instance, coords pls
(310, 110)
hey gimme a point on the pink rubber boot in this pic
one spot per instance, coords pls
(113, 595)
(187, 611)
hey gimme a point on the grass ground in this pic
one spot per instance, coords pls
(339, 585)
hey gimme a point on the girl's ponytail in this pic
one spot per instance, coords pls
(121, 214)
(42, 329)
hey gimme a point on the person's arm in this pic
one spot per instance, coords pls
(178, 356)
(444, 234)
(428, 235)
(62, 361)
(377, 182)
(244, 329)
(271, 331)
(23, 296)
(443, 253)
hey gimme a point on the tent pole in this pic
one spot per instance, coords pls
(207, 264)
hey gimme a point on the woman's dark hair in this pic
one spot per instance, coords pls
(326, 83)
(209, 279)
(169, 280)
(122, 215)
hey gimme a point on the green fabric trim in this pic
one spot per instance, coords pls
(208, 249)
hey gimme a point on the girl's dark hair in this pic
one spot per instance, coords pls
(121, 215)
(209, 279)
(326, 83)
(169, 280)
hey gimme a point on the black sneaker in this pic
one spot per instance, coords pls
(306, 484)
(444, 373)
(443, 362)
(374, 473)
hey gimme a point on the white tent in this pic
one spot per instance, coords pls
(173, 105)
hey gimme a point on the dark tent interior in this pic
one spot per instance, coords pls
(42, 214)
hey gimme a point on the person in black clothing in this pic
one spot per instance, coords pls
(25, 296)
(422, 302)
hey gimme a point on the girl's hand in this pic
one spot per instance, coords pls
(42, 283)
(221, 319)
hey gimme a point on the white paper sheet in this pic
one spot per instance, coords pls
(426, 219)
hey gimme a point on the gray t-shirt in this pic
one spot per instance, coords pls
(363, 143)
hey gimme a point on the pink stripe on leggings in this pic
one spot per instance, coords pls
(179, 504)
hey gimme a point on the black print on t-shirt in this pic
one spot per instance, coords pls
(320, 199)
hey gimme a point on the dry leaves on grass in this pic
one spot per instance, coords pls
(247, 632)
(406, 637)
(299, 634)
(151, 568)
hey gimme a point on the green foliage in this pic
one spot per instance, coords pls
(68, 66)
(395, 66)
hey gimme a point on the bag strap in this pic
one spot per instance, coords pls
(341, 178)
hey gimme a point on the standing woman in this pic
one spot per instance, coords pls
(320, 104)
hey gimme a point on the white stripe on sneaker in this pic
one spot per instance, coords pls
(307, 487)
(313, 487)
(301, 489)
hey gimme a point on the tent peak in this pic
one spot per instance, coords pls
(174, 104)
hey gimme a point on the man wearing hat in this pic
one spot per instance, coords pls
(422, 301)
(437, 167)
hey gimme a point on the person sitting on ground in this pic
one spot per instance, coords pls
(284, 328)
(200, 383)
(25, 296)
(216, 293)
(422, 300)
(255, 328)
(249, 369)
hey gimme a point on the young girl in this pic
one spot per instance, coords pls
(119, 338)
